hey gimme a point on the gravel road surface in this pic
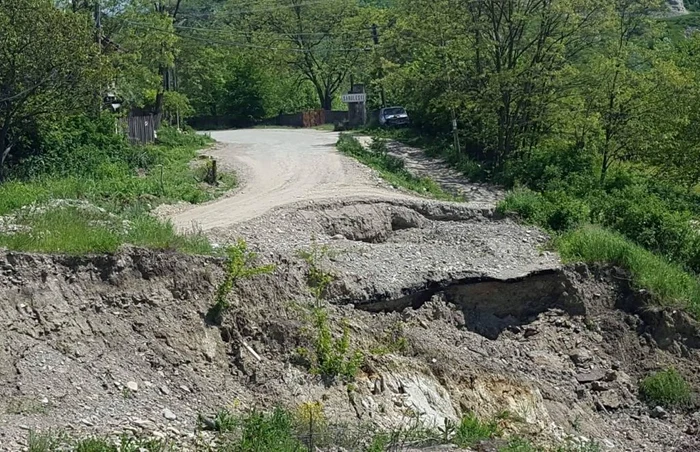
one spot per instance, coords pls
(278, 167)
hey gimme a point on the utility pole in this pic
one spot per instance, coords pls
(98, 38)
(98, 25)
(375, 39)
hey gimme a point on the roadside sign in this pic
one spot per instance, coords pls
(352, 98)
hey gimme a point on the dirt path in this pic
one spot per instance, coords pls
(451, 180)
(278, 167)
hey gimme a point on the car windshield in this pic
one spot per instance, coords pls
(394, 111)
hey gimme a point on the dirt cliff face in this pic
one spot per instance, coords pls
(113, 343)
(122, 344)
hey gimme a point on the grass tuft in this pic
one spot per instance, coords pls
(471, 430)
(668, 283)
(666, 388)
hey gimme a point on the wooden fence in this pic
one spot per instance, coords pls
(142, 129)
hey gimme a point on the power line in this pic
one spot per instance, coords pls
(259, 10)
(241, 44)
(245, 33)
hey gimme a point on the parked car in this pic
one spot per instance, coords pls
(393, 116)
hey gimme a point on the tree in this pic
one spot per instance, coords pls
(625, 88)
(323, 41)
(48, 64)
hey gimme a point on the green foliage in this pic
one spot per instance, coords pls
(317, 279)
(80, 230)
(331, 357)
(391, 168)
(668, 283)
(50, 62)
(58, 442)
(555, 210)
(667, 388)
(265, 432)
(239, 265)
(393, 340)
(471, 430)
(256, 431)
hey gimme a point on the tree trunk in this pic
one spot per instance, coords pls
(327, 103)
(5, 146)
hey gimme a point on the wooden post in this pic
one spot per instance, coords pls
(212, 173)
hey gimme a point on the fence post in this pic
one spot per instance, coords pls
(212, 173)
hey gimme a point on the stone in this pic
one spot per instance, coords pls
(610, 400)
(165, 390)
(529, 332)
(599, 386)
(132, 385)
(580, 357)
(185, 388)
(659, 413)
(588, 377)
(169, 415)
(610, 375)
(144, 424)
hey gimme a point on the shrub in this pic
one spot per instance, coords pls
(331, 357)
(666, 388)
(239, 265)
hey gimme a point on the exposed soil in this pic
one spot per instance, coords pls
(456, 310)
(560, 348)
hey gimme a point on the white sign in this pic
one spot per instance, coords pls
(352, 98)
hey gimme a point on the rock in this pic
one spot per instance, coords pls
(588, 377)
(659, 413)
(580, 357)
(610, 400)
(165, 390)
(185, 388)
(529, 332)
(169, 415)
(144, 424)
(132, 385)
(87, 422)
(610, 375)
(599, 386)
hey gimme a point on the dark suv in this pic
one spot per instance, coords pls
(393, 116)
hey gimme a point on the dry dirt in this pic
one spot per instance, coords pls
(278, 167)
(78, 332)
(488, 320)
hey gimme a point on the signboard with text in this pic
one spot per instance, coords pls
(353, 98)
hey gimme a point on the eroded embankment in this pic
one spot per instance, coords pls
(454, 317)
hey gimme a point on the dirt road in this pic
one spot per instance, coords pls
(278, 167)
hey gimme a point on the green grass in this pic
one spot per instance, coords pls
(666, 388)
(668, 283)
(391, 169)
(73, 230)
(59, 442)
(471, 430)
(126, 187)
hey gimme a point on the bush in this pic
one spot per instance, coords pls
(666, 388)
(556, 210)
(239, 266)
